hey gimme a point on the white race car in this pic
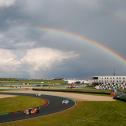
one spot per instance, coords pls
(65, 101)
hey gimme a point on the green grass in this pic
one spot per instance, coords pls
(84, 114)
(50, 82)
(4, 89)
(18, 103)
(84, 90)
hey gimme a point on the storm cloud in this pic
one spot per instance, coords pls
(28, 51)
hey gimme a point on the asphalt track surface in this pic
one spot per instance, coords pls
(54, 105)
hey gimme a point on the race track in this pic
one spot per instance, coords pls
(54, 105)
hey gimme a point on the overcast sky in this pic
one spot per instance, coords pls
(27, 51)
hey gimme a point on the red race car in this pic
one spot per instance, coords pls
(31, 111)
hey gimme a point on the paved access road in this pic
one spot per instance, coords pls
(54, 105)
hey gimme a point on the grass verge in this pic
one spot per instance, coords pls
(85, 90)
(18, 103)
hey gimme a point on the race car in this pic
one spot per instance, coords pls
(31, 111)
(65, 101)
(39, 94)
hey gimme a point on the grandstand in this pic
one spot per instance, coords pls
(110, 82)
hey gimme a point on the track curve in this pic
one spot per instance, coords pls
(55, 105)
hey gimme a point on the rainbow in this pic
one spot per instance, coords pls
(114, 53)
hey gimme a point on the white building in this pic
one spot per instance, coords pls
(74, 81)
(79, 81)
(109, 79)
(110, 82)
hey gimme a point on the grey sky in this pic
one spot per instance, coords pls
(26, 51)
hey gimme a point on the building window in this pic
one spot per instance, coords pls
(95, 78)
